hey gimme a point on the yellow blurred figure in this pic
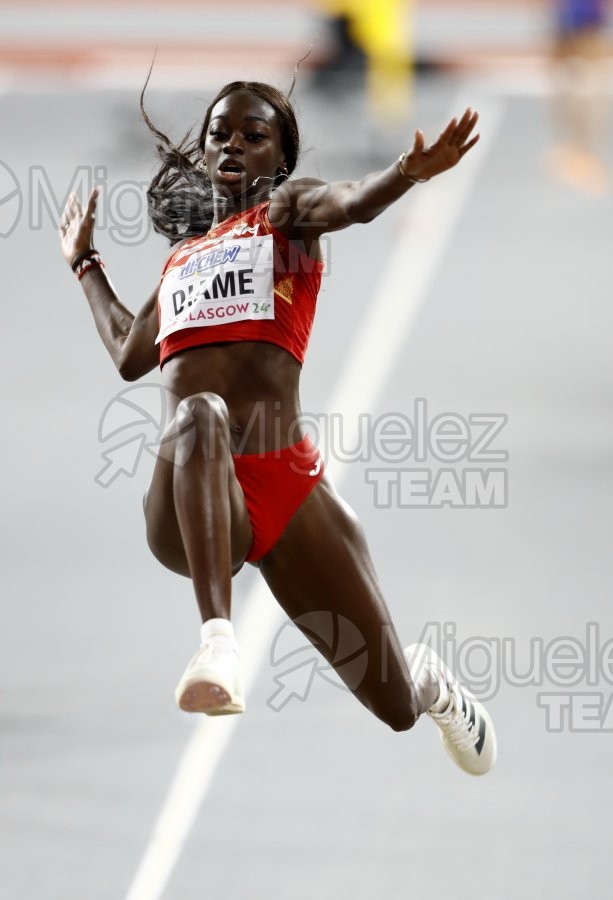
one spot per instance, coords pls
(383, 31)
(579, 51)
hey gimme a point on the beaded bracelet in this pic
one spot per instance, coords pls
(85, 262)
(404, 174)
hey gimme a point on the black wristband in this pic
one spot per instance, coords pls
(79, 259)
(90, 262)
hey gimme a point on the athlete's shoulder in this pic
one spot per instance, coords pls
(289, 201)
(296, 187)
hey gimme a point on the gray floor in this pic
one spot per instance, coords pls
(319, 801)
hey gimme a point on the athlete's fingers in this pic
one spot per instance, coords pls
(66, 212)
(465, 129)
(90, 213)
(74, 220)
(470, 144)
(66, 219)
(418, 146)
(448, 132)
(461, 126)
(74, 206)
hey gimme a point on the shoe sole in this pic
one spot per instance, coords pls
(209, 698)
(232, 708)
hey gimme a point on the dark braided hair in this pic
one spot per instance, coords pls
(180, 196)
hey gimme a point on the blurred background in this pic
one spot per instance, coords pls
(494, 283)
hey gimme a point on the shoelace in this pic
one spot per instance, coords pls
(213, 650)
(457, 729)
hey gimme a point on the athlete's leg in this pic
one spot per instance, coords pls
(322, 563)
(197, 523)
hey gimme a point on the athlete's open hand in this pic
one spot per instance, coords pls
(77, 226)
(452, 145)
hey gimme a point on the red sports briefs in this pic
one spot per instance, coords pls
(274, 485)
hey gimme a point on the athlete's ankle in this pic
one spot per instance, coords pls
(217, 628)
(431, 688)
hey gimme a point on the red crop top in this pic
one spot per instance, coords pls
(242, 281)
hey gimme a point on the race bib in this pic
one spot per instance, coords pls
(229, 282)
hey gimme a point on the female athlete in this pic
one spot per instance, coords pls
(236, 478)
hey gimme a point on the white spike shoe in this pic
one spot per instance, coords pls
(467, 731)
(211, 683)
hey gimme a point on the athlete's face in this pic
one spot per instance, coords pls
(243, 142)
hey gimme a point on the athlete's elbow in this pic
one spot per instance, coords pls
(128, 368)
(127, 373)
(365, 218)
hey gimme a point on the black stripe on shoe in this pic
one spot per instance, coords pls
(473, 714)
(481, 741)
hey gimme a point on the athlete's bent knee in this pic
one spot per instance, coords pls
(401, 713)
(201, 409)
(201, 419)
(402, 720)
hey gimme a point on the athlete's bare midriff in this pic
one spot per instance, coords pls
(257, 381)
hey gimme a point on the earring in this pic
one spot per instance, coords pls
(201, 164)
(283, 172)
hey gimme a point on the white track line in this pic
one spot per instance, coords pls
(418, 251)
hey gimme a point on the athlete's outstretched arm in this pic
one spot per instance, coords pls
(313, 207)
(129, 339)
